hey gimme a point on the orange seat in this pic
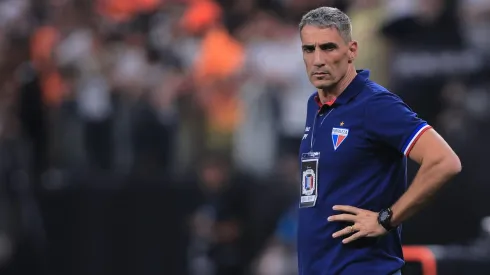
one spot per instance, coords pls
(423, 255)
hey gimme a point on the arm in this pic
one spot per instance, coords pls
(438, 164)
(393, 123)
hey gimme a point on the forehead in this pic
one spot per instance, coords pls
(312, 35)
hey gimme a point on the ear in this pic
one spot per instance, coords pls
(352, 51)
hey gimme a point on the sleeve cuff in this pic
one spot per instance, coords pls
(414, 137)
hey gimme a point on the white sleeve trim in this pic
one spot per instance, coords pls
(414, 138)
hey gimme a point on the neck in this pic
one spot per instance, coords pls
(331, 93)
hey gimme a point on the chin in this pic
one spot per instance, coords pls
(323, 84)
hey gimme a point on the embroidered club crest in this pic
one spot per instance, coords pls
(338, 136)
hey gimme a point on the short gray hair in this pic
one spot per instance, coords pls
(328, 17)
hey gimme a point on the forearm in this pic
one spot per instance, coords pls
(429, 179)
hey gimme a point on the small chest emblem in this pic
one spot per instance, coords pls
(338, 136)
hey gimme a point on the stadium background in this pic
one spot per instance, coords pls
(160, 136)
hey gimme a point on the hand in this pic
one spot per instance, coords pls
(365, 223)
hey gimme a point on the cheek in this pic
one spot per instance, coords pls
(308, 64)
(337, 58)
(340, 61)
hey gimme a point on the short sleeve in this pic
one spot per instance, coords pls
(390, 121)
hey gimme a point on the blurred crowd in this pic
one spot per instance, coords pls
(211, 94)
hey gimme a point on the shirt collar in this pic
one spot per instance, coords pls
(353, 89)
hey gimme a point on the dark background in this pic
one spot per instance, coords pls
(161, 137)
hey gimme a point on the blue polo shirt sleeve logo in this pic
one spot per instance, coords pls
(338, 136)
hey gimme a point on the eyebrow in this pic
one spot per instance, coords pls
(308, 47)
(328, 45)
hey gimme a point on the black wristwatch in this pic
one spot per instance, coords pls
(384, 218)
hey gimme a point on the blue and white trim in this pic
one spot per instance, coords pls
(414, 137)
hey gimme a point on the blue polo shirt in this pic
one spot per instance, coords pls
(364, 139)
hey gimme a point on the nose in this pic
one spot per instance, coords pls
(318, 60)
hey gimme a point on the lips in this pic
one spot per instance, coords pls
(320, 73)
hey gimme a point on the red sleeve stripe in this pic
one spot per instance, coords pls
(414, 139)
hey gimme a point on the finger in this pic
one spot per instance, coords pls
(343, 232)
(342, 217)
(347, 208)
(354, 237)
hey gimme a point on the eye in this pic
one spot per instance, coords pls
(308, 49)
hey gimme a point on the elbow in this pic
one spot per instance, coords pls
(452, 165)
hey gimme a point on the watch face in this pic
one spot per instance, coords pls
(384, 215)
(384, 219)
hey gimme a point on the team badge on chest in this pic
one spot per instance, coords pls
(338, 136)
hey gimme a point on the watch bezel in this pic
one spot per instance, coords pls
(386, 221)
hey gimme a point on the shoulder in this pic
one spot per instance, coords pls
(376, 94)
(382, 104)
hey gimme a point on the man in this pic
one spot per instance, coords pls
(353, 155)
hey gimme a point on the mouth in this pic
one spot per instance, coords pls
(320, 73)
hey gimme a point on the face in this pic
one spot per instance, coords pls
(326, 55)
